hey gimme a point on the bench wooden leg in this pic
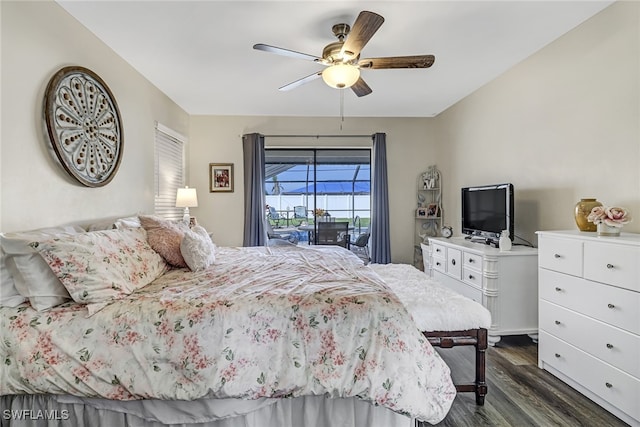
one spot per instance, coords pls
(481, 349)
(476, 337)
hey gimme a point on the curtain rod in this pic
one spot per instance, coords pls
(318, 136)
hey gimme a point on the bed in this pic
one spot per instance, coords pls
(261, 336)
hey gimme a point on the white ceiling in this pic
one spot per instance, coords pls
(200, 52)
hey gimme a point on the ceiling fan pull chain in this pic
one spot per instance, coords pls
(341, 108)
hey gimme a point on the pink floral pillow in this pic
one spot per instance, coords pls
(164, 237)
(101, 266)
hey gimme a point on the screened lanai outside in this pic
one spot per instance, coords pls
(307, 186)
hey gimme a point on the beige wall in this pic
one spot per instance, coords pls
(410, 149)
(38, 38)
(562, 125)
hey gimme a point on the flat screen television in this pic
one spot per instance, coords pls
(486, 211)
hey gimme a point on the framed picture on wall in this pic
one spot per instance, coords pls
(221, 177)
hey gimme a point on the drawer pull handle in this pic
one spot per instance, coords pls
(471, 277)
(609, 346)
(437, 263)
(611, 306)
(471, 261)
(557, 256)
(438, 250)
(609, 266)
(558, 289)
(557, 355)
(453, 261)
(557, 322)
(609, 385)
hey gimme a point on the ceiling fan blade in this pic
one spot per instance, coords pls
(301, 81)
(416, 61)
(286, 52)
(366, 25)
(361, 88)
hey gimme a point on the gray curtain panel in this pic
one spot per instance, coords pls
(380, 238)
(255, 233)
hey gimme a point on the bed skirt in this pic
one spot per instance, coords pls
(308, 411)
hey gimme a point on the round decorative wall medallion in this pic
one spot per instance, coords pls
(83, 124)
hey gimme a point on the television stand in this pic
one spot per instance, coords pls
(506, 283)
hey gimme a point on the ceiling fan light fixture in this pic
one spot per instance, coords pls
(341, 76)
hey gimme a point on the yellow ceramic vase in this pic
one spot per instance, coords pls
(583, 209)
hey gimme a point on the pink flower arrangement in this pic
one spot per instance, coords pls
(611, 216)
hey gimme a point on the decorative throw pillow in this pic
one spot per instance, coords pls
(164, 237)
(31, 275)
(101, 266)
(197, 249)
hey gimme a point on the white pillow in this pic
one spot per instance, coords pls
(9, 295)
(101, 266)
(34, 280)
(111, 223)
(128, 222)
(32, 276)
(197, 249)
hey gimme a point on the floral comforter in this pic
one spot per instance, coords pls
(261, 322)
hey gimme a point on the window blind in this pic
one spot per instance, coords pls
(168, 171)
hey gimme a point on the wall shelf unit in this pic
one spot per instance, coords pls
(428, 216)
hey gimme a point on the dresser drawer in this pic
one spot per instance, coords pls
(610, 384)
(458, 286)
(618, 307)
(613, 264)
(454, 263)
(618, 348)
(438, 250)
(472, 261)
(472, 277)
(563, 255)
(439, 264)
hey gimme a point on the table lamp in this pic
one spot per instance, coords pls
(186, 198)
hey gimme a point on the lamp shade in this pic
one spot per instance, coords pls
(341, 76)
(186, 198)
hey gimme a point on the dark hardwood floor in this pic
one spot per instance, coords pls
(520, 393)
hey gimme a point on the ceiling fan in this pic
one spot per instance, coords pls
(342, 58)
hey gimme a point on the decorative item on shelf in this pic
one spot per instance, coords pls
(432, 210)
(505, 241)
(446, 231)
(609, 220)
(430, 178)
(582, 211)
(186, 198)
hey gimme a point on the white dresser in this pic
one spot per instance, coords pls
(506, 283)
(589, 289)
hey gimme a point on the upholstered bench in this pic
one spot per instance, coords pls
(446, 318)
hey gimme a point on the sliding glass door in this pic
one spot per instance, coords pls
(305, 186)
